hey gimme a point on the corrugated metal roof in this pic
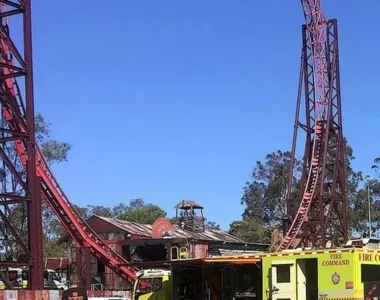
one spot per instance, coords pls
(130, 227)
(146, 230)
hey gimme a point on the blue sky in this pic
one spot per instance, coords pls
(171, 100)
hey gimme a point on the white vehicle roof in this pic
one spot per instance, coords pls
(153, 272)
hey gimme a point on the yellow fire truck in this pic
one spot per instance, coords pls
(348, 273)
(153, 284)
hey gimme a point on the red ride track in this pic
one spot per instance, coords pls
(316, 29)
(75, 225)
(308, 193)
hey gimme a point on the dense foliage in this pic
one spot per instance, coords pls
(264, 197)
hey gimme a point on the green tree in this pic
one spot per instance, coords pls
(376, 166)
(357, 194)
(119, 210)
(135, 204)
(137, 211)
(375, 183)
(251, 230)
(211, 225)
(142, 212)
(99, 211)
(55, 152)
(82, 211)
(354, 192)
(264, 196)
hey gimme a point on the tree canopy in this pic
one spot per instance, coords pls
(251, 230)
(55, 152)
(140, 212)
(264, 197)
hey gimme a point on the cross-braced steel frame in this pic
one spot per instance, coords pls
(83, 267)
(326, 220)
(25, 174)
(20, 200)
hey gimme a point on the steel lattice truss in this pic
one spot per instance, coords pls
(25, 176)
(317, 39)
(319, 214)
(328, 213)
(21, 225)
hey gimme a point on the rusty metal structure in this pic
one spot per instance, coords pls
(20, 188)
(318, 210)
(25, 175)
(148, 246)
(187, 216)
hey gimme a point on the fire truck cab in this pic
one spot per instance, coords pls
(153, 284)
(352, 272)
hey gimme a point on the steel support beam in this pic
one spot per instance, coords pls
(83, 267)
(326, 222)
(20, 187)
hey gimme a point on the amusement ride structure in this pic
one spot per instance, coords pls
(321, 217)
(25, 174)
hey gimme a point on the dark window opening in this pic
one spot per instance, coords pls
(126, 252)
(144, 286)
(148, 252)
(25, 275)
(101, 268)
(174, 253)
(148, 285)
(283, 274)
(247, 281)
(187, 282)
(370, 273)
(307, 271)
(157, 284)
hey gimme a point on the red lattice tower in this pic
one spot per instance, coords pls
(20, 213)
(318, 211)
(25, 176)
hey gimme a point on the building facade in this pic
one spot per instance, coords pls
(156, 245)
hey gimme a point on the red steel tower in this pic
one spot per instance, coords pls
(25, 176)
(317, 205)
(20, 212)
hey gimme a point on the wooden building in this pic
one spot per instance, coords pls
(157, 245)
